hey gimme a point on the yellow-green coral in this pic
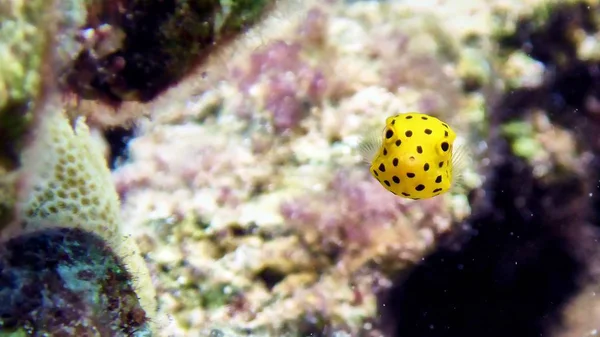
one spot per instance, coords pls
(522, 135)
(21, 48)
(13, 333)
(7, 199)
(28, 31)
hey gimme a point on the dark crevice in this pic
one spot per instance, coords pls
(270, 277)
(118, 139)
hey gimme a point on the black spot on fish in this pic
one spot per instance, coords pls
(408, 133)
(438, 179)
(398, 142)
(395, 162)
(428, 131)
(396, 179)
(420, 187)
(419, 149)
(389, 134)
(387, 183)
(410, 175)
(381, 167)
(426, 167)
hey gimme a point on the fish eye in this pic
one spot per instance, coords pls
(445, 146)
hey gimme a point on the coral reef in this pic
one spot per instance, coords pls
(107, 51)
(291, 85)
(99, 49)
(243, 190)
(516, 269)
(136, 49)
(252, 208)
(355, 223)
(525, 263)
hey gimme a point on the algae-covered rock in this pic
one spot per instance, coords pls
(67, 282)
(140, 48)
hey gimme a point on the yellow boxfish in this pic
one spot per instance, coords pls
(415, 157)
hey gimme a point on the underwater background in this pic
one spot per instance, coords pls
(192, 168)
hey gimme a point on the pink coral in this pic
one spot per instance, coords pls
(356, 216)
(313, 28)
(291, 83)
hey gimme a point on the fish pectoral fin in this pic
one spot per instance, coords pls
(461, 159)
(369, 145)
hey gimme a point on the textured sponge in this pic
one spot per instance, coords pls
(67, 181)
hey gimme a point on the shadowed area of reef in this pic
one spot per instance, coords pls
(66, 282)
(513, 265)
(144, 47)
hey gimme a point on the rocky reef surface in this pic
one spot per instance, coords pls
(237, 204)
